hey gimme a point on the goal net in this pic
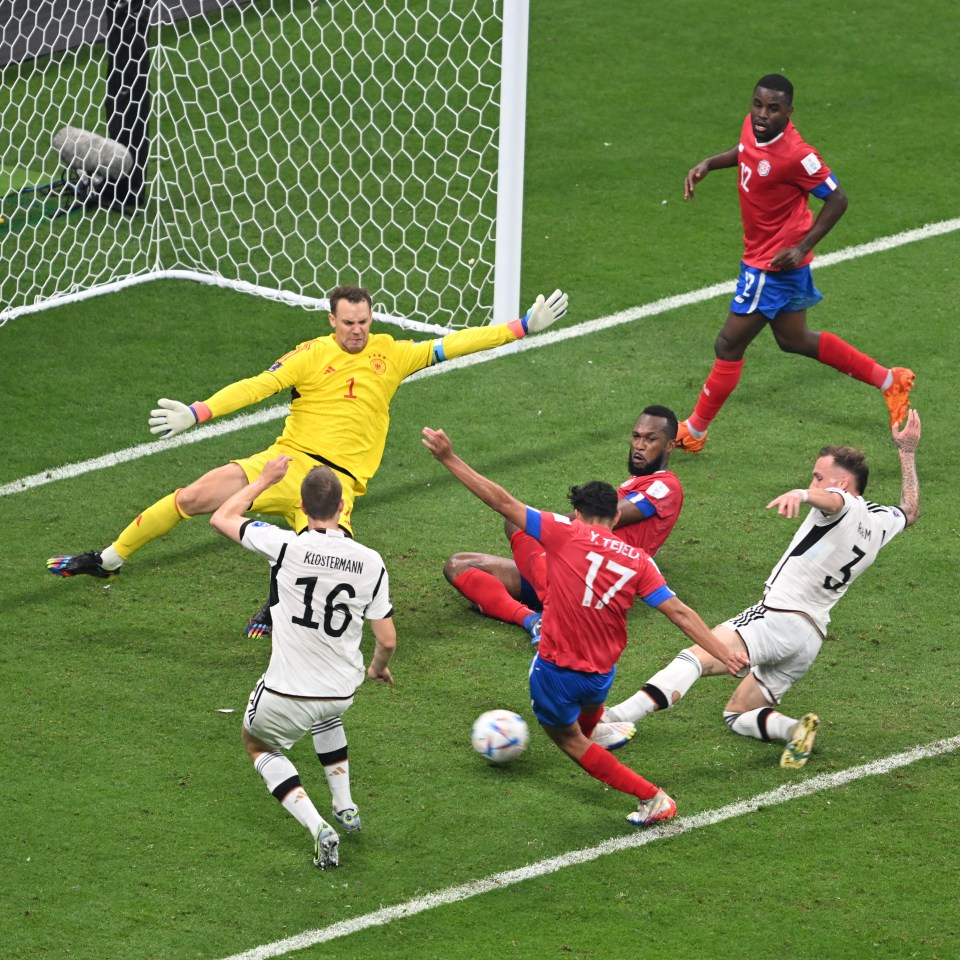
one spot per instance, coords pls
(282, 148)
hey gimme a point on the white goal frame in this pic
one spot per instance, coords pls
(461, 246)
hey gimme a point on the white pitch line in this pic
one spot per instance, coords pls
(204, 432)
(664, 305)
(675, 828)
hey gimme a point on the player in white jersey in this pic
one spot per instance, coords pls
(323, 585)
(840, 537)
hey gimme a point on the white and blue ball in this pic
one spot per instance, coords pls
(500, 736)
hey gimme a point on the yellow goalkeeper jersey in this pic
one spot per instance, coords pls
(340, 407)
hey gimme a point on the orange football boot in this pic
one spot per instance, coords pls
(898, 393)
(687, 441)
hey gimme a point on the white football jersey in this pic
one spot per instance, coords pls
(828, 553)
(323, 585)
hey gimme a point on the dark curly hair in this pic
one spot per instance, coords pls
(596, 499)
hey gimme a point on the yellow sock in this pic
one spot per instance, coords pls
(154, 522)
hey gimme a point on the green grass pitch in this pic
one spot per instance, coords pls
(134, 826)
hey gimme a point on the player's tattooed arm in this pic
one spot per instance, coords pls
(907, 440)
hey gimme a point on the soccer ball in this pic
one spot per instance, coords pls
(499, 736)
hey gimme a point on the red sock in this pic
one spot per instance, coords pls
(491, 596)
(604, 766)
(722, 381)
(588, 721)
(838, 354)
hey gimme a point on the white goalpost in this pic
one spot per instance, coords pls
(274, 148)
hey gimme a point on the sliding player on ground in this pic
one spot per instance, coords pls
(649, 503)
(839, 539)
(342, 386)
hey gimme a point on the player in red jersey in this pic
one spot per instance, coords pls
(649, 503)
(593, 578)
(777, 172)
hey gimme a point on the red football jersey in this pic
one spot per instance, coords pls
(593, 578)
(775, 180)
(662, 490)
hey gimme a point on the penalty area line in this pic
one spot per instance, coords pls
(664, 305)
(674, 828)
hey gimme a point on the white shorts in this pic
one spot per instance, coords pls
(782, 646)
(281, 721)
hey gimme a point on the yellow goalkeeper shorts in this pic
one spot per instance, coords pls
(283, 498)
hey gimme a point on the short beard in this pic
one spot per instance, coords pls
(647, 470)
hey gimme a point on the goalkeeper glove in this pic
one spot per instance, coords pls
(174, 417)
(544, 312)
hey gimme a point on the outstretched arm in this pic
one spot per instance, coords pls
(544, 312)
(229, 518)
(172, 417)
(906, 441)
(493, 495)
(788, 504)
(691, 623)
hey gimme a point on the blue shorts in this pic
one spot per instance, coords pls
(774, 291)
(529, 597)
(557, 693)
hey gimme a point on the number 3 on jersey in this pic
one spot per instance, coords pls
(830, 584)
(596, 562)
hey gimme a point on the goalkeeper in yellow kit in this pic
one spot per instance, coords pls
(342, 385)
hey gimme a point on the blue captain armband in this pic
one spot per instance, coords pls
(646, 508)
(533, 523)
(823, 190)
(438, 355)
(660, 595)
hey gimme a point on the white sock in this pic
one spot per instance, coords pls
(783, 731)
(634, 708)
(277, 772)
(764, 723)
(329, 736)
(283, 781)
(672, 682)
(301, 806)
(338, 780)
(110, 559)
(330, 742)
